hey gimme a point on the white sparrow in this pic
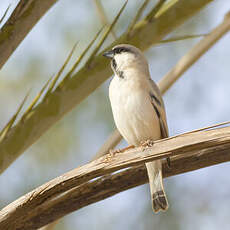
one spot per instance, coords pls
(138, 110)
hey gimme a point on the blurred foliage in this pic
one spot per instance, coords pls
(194, 197)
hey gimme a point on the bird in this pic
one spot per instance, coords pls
(138, 110)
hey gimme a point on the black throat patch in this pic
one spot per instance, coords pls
(119, 73)
(114, 64)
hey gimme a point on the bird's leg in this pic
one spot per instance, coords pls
(150, 143)
(127, 148)
(111, 154)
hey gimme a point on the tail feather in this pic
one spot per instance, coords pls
(158, 196)
(159, 201)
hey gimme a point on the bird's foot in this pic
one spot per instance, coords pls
(150, 143)
(112, 152)
(147, 143)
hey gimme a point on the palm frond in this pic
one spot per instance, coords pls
(55, 79)
(82, 55)
(39, 95)
(156, 9)
(181, 38)
(102, 16)
(137, 16)
(10, 123)
(5, 13)
(108, 30)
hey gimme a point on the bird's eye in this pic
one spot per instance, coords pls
(120, 50)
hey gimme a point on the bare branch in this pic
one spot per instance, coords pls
(26, 14)
(50, 201)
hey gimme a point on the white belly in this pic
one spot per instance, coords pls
(133, 112)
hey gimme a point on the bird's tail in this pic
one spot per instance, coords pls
(158, 196)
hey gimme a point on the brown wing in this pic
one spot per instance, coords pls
(159, 107)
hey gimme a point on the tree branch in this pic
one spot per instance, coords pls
(26, 14)
(61, 195)
(87, 79)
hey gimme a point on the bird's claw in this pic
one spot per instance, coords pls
(148, 143)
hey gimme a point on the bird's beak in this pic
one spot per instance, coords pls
(109, 54)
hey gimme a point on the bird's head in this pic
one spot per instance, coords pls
(126, 56)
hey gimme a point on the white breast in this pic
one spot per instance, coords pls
(133, 112)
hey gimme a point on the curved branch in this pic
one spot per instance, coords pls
(61, 196)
